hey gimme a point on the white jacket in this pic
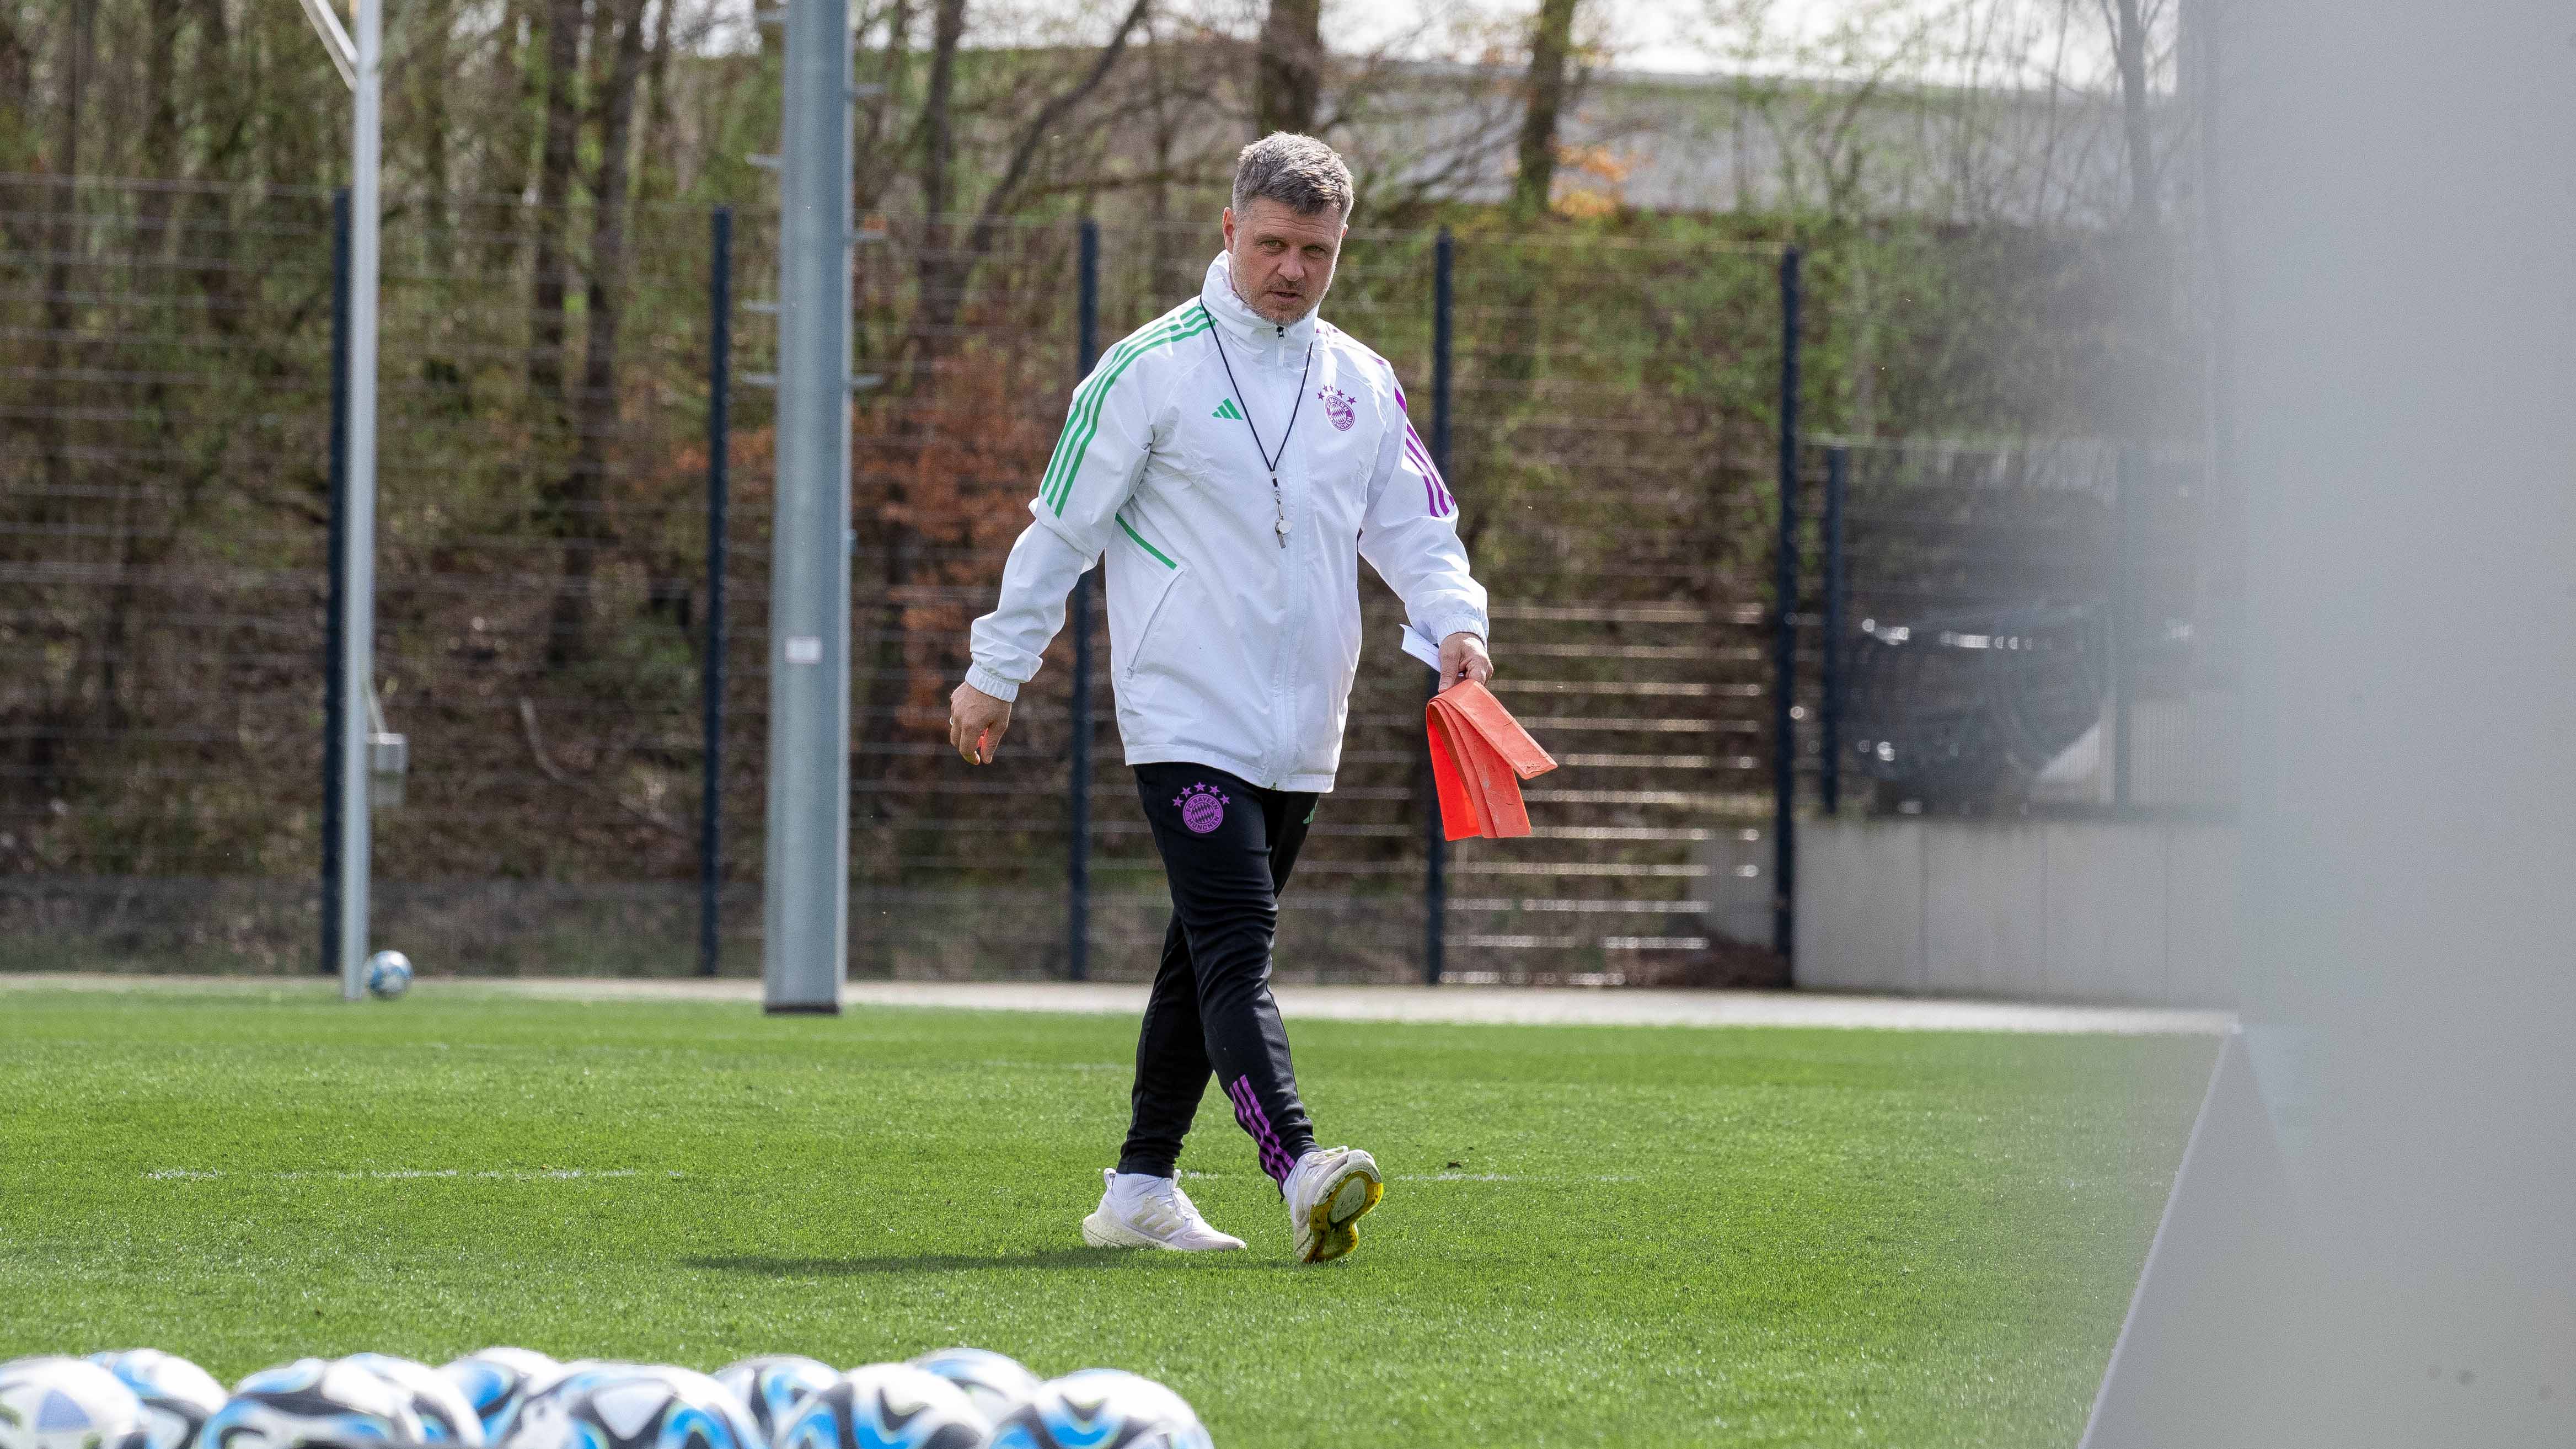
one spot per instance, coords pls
(1230, 649)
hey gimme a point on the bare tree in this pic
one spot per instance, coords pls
(2129, 48)
(1551, 47)
(1289, 82)
(578, 498)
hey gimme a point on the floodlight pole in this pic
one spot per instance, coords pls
(806, 879)
(358, 628)
(346, 862)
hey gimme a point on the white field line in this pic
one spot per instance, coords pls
(406, 1174)
(1450, 1004)
(1463, 1177)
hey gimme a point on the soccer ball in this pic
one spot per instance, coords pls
(494, 1380)
(546, 1395)
(445, 1413)
(388, 974)
(68, 1403)
(311, 1399)
(994, 1383)
(885, 1406)
(774, 1384)
(1101, 1407)
(657, 1408)
(177, 1396)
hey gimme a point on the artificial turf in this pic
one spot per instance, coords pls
(1660, 1236)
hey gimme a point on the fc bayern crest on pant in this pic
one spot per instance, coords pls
(1202, 808)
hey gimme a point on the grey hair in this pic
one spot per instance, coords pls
(1299, 172)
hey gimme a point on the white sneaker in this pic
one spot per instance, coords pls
(1137, 1211)
(1329, 1191)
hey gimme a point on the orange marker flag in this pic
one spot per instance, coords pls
(1479, 756)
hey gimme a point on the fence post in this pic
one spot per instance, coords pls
(335, 660)
(1435, 842)
(1829, 724)
(711, 674)
(1784, 673)
(2124, 622)
(1077, 879)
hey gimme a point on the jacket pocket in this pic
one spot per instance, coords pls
(1158, 621)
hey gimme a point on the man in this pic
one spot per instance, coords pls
(1232, 462)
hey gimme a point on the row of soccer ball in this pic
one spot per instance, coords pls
(511, 1398)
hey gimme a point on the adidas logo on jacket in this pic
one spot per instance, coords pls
(1234, 619)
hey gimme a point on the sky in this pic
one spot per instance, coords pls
(1807, 37)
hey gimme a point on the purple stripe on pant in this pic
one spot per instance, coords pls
(1248, 1113)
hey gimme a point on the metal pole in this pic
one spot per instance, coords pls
(1829, 726)
(2124, 621)
(711, 674)
(1077, 925)
(1784, 671)
(358, 603)
(806, 907)
(335, 678)
(1435, 843)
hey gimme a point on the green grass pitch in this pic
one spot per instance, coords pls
(1590, 1236)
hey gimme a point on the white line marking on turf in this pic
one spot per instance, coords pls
(1495, 1177)
(409, 1174)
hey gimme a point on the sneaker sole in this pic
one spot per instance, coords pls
(1333, 1222)
(1100, 1235)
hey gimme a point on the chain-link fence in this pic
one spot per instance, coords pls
(2008, 628)
(543, 589)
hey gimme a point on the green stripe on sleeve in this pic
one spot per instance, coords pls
(1087, 401)
(1085, 424)
(1141, 543)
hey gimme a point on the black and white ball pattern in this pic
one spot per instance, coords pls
(309, 1400)
(885, 1406)
(54, 1402)
(178, 1397)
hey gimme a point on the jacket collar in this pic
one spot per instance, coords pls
(1241, 324)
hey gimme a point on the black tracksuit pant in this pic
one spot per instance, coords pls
(1227, 848)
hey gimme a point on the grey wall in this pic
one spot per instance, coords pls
(2094, 911)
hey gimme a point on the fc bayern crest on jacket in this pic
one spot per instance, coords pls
(1337, 406)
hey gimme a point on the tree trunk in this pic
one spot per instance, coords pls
(656, 179)
(1288, 87)
(2129, 40)
(1551, 44)
(61, 315)
(17, 127)
(546, 327)
(519, 89)
(429, 74)
(869, 180)
(580, 521)
(936, 274)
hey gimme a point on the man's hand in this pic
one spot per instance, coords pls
(976, 723)
(1462, 656)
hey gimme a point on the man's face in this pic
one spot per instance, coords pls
(1283, 259)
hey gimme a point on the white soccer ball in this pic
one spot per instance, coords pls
(446, 1416)
(309, 1399)
(885, 1406)
(178, 1397)
(1101, 1406)
(774, 1384)
(659, 1408)
(994, 1383)
(494, 1381)
(388, 974)
(54, 1402)
(547, 1395)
